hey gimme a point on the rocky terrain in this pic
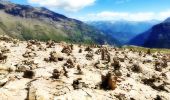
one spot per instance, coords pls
(34, 70)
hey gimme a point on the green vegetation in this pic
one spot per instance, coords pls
(66, 30)
(2, 28)
(153, 50)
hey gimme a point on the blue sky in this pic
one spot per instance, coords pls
(134, 10)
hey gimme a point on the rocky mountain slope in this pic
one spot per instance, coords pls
(159, 37)
(123, 31)
(34, 70)
(156, 37)
(25, 22)
(140, 39)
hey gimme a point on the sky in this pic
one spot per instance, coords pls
(106, 10)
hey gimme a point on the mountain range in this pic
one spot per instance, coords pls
(156, 37)
(123, 30)
(26, 22)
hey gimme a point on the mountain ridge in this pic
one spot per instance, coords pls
(26, 22)
(123, 31)
(156, 37)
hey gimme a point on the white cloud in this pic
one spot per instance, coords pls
(140, 16)
(164, 15)
(68, 5)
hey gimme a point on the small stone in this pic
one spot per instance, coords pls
(148, 51)
(3, 57)
(89, 56)
(22, 68)
(67, 50)
(109, 81)
(158, 98)
(128, 75)
(136, 68)
(55, 57)
(78, 84)
(79, 70)
(80, 50)
(56, 74)
(29, 74)
(55, 71)
(116, 64)
(88, 49)
(118, 73)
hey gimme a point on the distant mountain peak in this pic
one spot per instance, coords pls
(28, 11)
(167, 20)
(5, 2)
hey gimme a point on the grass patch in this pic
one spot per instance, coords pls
(153, 50)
